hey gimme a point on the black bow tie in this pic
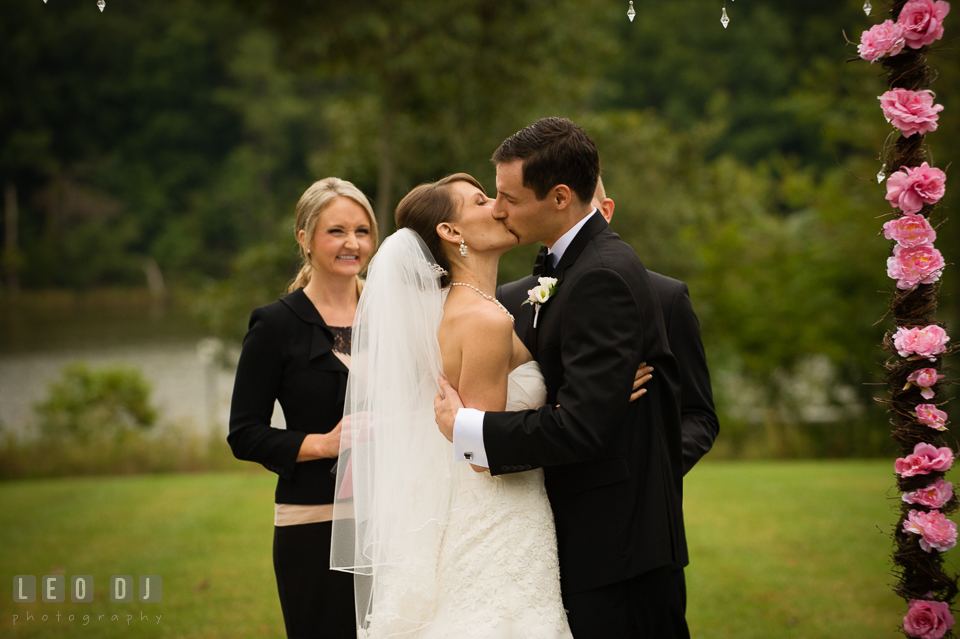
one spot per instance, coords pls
(543, 267)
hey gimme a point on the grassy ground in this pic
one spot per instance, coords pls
(792, 549)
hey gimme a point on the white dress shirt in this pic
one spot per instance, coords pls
(468, 425)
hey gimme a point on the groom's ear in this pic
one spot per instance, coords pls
(562, 196)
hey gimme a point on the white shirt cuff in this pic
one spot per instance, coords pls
(468, 437)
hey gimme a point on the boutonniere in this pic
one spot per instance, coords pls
(540, 295)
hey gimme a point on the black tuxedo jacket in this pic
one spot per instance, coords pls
(610, 465)
(699, 425)
(288, 356)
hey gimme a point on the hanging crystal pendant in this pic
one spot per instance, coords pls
(630, 12)
(867, 7)
(724, 19)
(102, 5)
(881, 176)
(44, 1)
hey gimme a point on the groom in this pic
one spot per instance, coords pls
(608, 463)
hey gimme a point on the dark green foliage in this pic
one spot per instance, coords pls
(160, 130)
(87, 405)
(185, 132)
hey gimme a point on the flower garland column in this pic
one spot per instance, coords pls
(918, 341)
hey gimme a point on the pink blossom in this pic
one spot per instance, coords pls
(932, 416)
(913, 266)
(881, 41)
(904, 340)
(911, 111)
(911, 188)
(924, 378)
(936, 495)
(924, 459)
(927, 619)
(935, 530)
(922, 21)
(910, 230)
(931, 340)
(925, 342)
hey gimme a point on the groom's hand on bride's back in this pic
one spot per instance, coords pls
(445, 407)
(447, 402)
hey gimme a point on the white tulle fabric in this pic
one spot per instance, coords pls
(393, 460)
(438, 550)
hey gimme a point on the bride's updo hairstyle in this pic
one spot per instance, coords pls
(312, 203)
(429, 205)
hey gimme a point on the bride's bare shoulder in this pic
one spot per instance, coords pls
(477, 319)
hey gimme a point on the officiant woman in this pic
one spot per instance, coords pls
(297, 351)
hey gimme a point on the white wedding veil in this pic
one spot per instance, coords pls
(395, 477)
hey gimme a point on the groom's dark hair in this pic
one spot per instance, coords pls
(554, 151)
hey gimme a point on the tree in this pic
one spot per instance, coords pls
(434, 87)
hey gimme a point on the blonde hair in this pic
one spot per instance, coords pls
(312, 203)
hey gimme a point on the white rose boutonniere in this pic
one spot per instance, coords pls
(540, 295)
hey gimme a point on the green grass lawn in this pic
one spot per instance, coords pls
(778, 549)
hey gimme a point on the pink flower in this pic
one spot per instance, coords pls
(924, 378)
(909, 230)
(924, 460)
(913, 266)
(911, 111)
(933, 496)
(922, 21)
(935, 530)
(911, 188)
(925, 342)
(881, 40)
(904, 340)
(927, 619)
(932, 416)
(931, 340)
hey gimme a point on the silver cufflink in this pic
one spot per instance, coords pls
(468, 456)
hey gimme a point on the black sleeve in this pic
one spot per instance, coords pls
(599, 347)
(699, 424)
(256, 388)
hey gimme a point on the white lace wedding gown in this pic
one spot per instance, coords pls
(498, 573)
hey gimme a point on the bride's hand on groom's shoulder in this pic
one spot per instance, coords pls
(642, 377)
(445, 407)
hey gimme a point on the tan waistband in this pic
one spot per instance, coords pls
(297, 514)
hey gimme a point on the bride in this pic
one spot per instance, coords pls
(439, 549)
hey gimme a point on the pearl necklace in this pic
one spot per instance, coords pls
(492, 299)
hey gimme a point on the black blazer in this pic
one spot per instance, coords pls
(287, 356)
(610, 465)
(699, 425)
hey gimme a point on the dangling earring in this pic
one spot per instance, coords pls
(463, 248)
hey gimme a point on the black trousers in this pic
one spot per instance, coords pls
(317, 602)
(647, 606)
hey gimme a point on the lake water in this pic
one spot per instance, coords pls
(39, 335)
